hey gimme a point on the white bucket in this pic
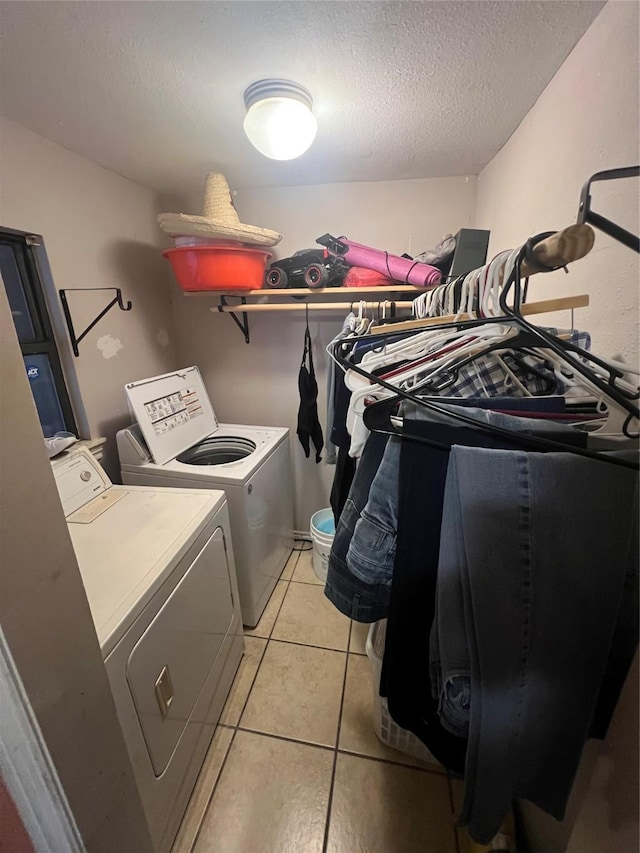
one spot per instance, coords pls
(322, 533)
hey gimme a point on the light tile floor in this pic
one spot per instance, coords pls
(294, 765)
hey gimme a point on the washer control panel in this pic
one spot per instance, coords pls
(79, 478)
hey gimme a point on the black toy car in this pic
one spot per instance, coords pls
(312, 268)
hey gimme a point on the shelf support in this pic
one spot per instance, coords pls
(244, 325)
(117, 300)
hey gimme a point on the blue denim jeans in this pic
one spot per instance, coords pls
(404, 681)
(535, 552)
(357, 599)
(371, 550)
(373, 546)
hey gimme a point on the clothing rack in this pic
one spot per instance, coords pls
(545, 305)
(443, 595)
(623, 399)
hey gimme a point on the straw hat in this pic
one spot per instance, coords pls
(219, 218)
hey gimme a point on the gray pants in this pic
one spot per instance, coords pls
(533, 557)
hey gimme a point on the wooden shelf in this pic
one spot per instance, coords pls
(307, 291)
(555, 251)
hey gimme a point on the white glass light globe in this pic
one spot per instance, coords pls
(280, 128)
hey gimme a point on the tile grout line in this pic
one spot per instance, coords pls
(266, 645)
(253, 681)
(335, 749)
(280, 580)
(439, 773)
(288, 583)
(213, 790)
(309, 646)
(325, 842)
(453, 816)
(285, 738)
(236, 727)
(301, 552)
(292, 642)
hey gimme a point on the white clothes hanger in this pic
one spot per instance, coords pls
(358, 318)
(451, 298)
(363, 391)
(469, 285)
(414, 375)
(511, 378)
(481, 288)
(365, 323)
(420, 344)
(407, 350)
(428, 344)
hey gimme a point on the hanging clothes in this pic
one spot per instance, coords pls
(334, 378)
(578, 543)
(370, 552)
(487, 377)
(415, 544)
(357, 599)
(342, 481)
(534, 614)
(500, 540)
(309, 428)
(340, 438)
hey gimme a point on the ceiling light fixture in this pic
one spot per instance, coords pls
(279, 121)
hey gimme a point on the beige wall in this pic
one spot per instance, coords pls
(99, 231)
(608, 819)
(257, 384)
(46, 620)
(602, 813)
(585, 121)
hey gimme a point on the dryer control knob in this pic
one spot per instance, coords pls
(85, 476)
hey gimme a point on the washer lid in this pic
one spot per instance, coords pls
(173, 411)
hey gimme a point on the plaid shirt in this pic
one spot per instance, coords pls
(486, 376)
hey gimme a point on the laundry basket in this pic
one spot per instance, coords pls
(323, 530)
(385, 728)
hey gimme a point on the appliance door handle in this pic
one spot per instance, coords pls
(164, 691)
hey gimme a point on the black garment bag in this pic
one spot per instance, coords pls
(308, 424)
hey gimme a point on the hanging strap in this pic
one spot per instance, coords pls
(307, 352)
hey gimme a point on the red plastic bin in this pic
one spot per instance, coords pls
(218, 267)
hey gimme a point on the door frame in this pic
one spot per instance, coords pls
(27, 769)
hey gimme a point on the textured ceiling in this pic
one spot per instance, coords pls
(153, 90)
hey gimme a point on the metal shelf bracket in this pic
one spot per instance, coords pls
(244, 325)
(117, 300)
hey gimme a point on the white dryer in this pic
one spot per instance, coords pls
(158, 569)
(177, 441)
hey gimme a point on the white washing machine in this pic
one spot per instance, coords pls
(158, 569)
(177, 441)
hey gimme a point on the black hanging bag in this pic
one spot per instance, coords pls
(308, 424)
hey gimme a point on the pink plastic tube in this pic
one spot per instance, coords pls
(397, 268)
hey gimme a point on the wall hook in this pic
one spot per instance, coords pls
(117, 300)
